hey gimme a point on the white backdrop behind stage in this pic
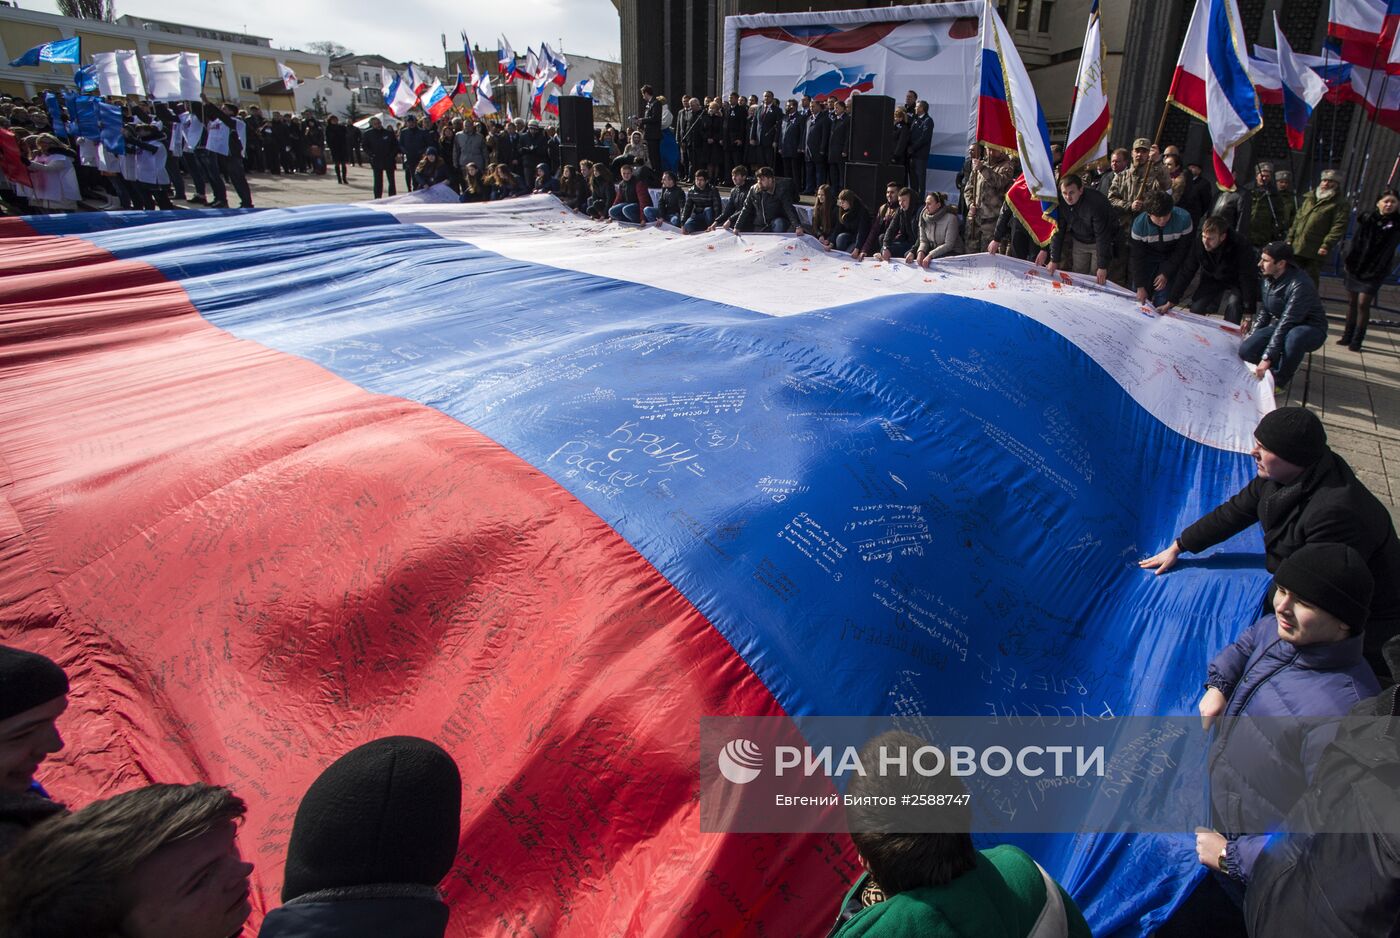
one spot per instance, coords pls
(931, 48)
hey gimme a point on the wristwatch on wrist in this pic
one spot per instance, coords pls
(1224, 863)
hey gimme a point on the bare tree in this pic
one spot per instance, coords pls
(104, 10)
(328, 48)
(607, 83)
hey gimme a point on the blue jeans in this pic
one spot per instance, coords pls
(899, 248)
(845, 242)
(699, 220)
(778, 224)
(1299, 341)
(626, 212)
(209, 162)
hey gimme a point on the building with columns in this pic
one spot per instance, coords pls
(245, 63)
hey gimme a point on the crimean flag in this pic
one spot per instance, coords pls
(1089, 121)
(485, 106)
(1009, 117)
(266, 508)
(505, 60)
(289, 77)
(1030, 212)
(415, 82)
(531, 69)
(1212, 83)
(557, 65)
(1302, 89)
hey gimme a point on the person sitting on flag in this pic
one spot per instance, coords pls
(940, 230)
(474, 184)
(430, 170)
(630, 197)
(901, 234)
(1291, 322)
(734, 203)
(668, 202)
(878, 224)
(1083, 240)
(155, 862)
(764, 209)
(33, 695)
(923, 876)
(1161, 237)
(702, 204)
(544, 180)
(571, 189)
(1229, 282)
(600, 192)
(1283, 686)
(1320, 224)
(1305, 494)
(1368, 262)
(852, 222)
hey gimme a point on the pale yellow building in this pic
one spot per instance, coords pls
(239, 64)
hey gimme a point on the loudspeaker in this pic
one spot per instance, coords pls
(570, 155)
(872, 128)
(575, 121)
(868, 180)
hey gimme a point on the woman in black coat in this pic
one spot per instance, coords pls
(899, 151)
(1367, 262)
(711, 132)
(338, 142)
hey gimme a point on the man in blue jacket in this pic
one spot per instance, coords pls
(1160, 238)
(1291, 321)
(1293, 675)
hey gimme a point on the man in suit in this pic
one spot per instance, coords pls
(651, 127)
(838, 145)
(814, 146)
(920, 142)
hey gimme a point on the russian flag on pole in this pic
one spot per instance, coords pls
(505, 59)
(1334, 74)
(1302, 89)
(462, 85)
(58, 52)
(1009, 117)
(1212, 82)
(1363, 30)
(436, 101)
(1089, 121)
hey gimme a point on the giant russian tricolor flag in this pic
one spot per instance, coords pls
(1212, 82)
(275, 483)
(1302, 89)
(1086, 141)
(1009, 116)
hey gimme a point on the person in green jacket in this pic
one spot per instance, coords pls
(1320, 224)
(932, 883)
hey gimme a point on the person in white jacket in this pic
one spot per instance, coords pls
(55, 179)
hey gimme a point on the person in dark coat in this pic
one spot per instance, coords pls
(899, 146)
(1291, 322)
(1367, 263)
(1334, 868)
(901, 232)
(1280, 691)
(630, 198)
(338, 142)
(669, 202)
(815, 140)
(431, 170)
(920, 143)
(544, 180)
(33, 695)
(382, 146)
(702, 205)
(734, 202)
(413, 143)
(1229, 280)
(764, 209)
(770, 126)
(838, 147)
(651, 126)
(1305, 494)
(373, 837)
(1199, 194)
(852, 223)
(790, 144)
(1083, 241)
(736, 123)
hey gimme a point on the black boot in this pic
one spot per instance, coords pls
(1350, 326)
(1363, 319)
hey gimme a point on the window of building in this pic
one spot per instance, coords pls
(1046, 8)
(245, 82)
(1023, 14)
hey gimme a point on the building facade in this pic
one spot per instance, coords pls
(239, 64)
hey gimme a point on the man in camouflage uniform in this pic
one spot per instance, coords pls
(1128, 194)
(984, 192)
(1320, 224)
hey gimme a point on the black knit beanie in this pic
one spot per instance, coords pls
(389, 811)
(1332, 577)
(27, 680)
(1294, 434)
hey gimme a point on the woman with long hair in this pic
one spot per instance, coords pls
(1367, 263)
(474, 185)
(852, 223)
(824, 213)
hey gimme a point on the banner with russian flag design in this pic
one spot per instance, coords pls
(1212, 83)
(279, 482)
